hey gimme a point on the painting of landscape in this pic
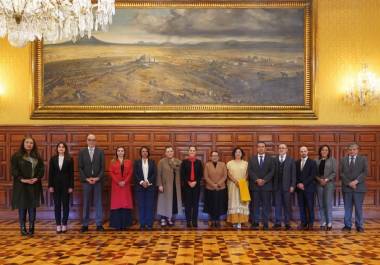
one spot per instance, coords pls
(169, 56)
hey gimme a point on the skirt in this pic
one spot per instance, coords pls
(215, 202)
(121, 218)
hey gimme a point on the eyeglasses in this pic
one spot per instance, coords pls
(91, 140)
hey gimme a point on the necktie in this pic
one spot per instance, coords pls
(302, 163)
(352, 163)
(192, 172)
(91, 153)
(281, 159)
(261, 161)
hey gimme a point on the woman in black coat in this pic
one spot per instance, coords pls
(27, 170)
(61, 184)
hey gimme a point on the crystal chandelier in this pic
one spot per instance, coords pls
(365, 90)
(53, 20)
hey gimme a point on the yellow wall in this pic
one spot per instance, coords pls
(348, 35)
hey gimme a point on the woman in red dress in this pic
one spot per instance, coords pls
(121, 192)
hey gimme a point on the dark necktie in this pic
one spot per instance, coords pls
(261, 161)
(352, 163)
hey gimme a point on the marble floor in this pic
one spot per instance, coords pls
(178, 245)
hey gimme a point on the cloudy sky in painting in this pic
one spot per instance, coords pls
(203, 25)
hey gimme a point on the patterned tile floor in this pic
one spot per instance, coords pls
(181, 246)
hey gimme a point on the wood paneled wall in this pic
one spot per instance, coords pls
(206, 138)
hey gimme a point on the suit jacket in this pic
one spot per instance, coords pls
(86, 165)
(266, 172)
(216, 174)
(307, 175)
(61, 177)
(288, 177)
(329, 172)
(139, 175)
(359, 173)
(186, 171)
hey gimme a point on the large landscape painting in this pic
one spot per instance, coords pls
(169, 56)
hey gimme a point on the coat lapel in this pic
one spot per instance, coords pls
(286, 162)
(256, 162)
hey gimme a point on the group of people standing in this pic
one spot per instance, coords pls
(271, 181)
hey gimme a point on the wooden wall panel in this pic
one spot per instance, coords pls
(206, 138)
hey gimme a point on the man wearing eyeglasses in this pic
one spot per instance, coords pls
(91, 168)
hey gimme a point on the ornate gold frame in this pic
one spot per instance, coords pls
(305, 111)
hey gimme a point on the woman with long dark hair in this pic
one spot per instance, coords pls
(121, 192)
(27, 169)
(326, 185)
(61, 184)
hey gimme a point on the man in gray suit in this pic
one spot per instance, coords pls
(260, 170)
(353, 171)
(91, 168)
(284, 183)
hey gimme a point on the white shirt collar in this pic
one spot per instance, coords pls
(283, 157)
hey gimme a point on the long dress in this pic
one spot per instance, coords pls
(238, 212)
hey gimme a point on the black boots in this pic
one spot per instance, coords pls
(31, 228)
(23, 231)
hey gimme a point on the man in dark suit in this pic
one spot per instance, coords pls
(91, 168)
(306, 169)
(284, 183)
(353, 171)
(260, 170)
(145, 171)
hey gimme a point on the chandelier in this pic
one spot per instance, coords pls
(53, 20)
(364, 90)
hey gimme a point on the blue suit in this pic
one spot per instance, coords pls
(145, 196)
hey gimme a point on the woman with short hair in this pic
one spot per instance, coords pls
(169, 201)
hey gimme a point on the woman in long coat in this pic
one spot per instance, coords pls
(169, 186)
(121, 170)
(27, 169)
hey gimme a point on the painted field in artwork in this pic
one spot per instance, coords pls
(182, 56)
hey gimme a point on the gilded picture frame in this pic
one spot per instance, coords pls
(44, 107)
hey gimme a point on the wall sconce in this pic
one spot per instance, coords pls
(364, 90)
